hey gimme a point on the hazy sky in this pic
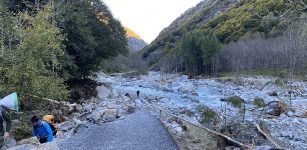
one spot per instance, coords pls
(148, 17)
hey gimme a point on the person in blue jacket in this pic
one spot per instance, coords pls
(41, 130)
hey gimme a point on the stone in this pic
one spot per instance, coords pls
(110, 115)
(96, 115)
(131, 109)
(10, 142)
(103, 92)
(66, 126)
(187, 89)
(75, 115)
(290, 114)
(276, 108)
(23, 147)
(77, 121)
(78, 107)
(263, 147)
(300, 138)
(273, 93)
(195, 94)
(178, 130)
(88, 107)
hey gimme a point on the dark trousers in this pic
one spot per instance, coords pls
(43, 140)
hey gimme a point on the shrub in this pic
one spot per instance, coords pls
(259, 102)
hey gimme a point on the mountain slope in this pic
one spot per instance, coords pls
(135, 42)
(192, 19)
(229, 19)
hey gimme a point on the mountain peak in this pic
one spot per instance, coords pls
(131, 33)
(135, 42)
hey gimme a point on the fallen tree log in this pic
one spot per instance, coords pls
(71, 106)
(268, 137)
(229, 139)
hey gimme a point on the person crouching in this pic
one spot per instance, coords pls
(41, 130)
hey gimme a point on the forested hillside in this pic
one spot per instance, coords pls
(46, 46)
(189, 38)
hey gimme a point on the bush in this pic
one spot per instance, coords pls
(259, 102)
(280, 82)
(208, 116)
(235, 101)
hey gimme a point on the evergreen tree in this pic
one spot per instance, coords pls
(198, 49)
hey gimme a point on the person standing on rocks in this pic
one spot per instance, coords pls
(41, 130)
(137, 93)
(5, 133)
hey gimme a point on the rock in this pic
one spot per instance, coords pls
(296, 121)
(164, 99)
(178, 130)
(77, 121)
(276, 108)
(273, 93)
(66, 126)
(183, 78)
(194, 101)
(75, 115)
(58, 116)
(88, 107)
(175, 125)
(93, 100)
(23, 147)
(290, 114)
(131, 109)
(96, 115)
(195, 94)
(110, 115)
(185, 96)
(166, 89)
(103, 92)
(114, 93)
(79, 128)
(300, 138)
(78, 107)
(187, 89)
(11, 142)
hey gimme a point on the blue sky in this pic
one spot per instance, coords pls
(148, 17)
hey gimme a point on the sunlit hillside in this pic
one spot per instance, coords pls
(131, 33)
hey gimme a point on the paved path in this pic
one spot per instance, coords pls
(138, 131)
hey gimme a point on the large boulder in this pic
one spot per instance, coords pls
(276, 108)
(66, 126)
(189, 88)
(78, 108)
(58, 116)
(103, 92)
(88, 107)
(110, 115)
(96, 115)
(11, 142)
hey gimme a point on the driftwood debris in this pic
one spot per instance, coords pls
(71, 106)
(268, 137)
(229, 139)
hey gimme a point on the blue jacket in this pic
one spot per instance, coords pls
(42, 130)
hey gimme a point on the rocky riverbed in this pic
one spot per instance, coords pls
(229, 105)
